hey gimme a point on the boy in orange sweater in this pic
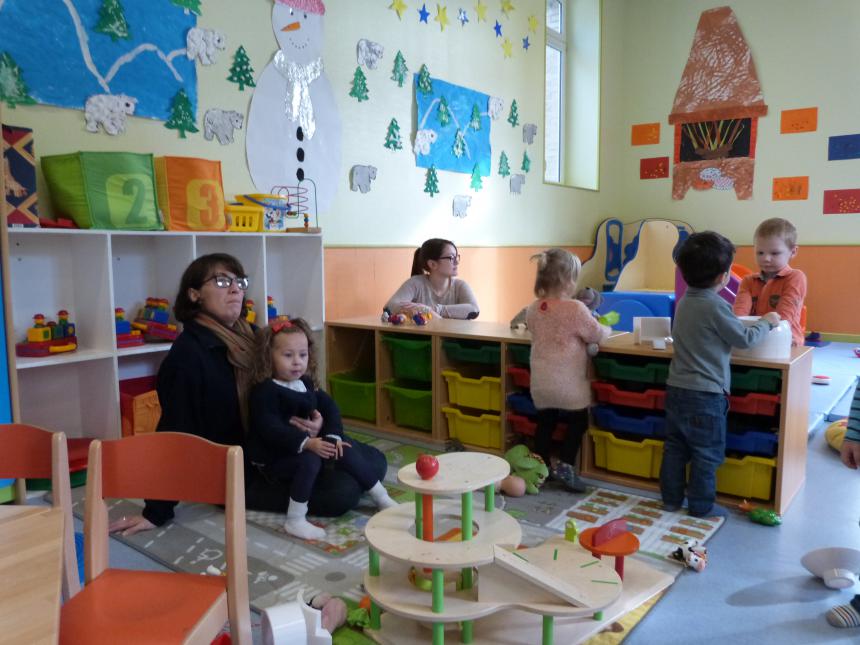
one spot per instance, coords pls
(777, 287)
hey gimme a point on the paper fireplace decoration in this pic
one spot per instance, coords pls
(716, 110)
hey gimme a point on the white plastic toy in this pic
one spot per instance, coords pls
(293, 623)
(777, 342)
(836, 566)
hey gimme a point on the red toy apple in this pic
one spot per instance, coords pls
(427, 466)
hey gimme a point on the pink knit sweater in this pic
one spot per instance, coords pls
(560, 331)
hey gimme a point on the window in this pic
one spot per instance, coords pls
(572, 98)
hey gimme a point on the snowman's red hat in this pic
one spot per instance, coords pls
(311, 6)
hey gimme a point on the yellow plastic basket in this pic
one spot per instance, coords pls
(244, 218)
(484, 393)
(484, 430)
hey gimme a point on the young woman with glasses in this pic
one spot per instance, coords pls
(434, 284)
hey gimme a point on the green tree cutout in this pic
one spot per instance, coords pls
(399, 71)
(459, 147)
(393, 140)
(527, 163)
(443, 113)
(514, 116)
(190, 6)
(475, 121)
(359, 85)
(241, 71)
(431, 184)
(504, 167)
(476, 184)
(13, 89)
(425, 84)
(112, 21)
(181, 115)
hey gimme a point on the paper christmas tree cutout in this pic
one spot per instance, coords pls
(399, 71)
(475, 121)
(112, 21)
(13, 89)
(514, 116)
(431, 184)
(459, 144)
(241, 71)
(527, 163)
(359, 85)
(190, 6)
(181, 115)
(443, 114)
(476, 183)
(504, 167)
(425, 85)
(393, 140)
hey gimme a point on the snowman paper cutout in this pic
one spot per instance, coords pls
(294, 129)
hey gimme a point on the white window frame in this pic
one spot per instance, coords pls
(557, 41)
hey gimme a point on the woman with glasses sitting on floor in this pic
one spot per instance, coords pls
(434, 284)
(203, 387)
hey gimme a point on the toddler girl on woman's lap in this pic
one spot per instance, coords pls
(296, 427)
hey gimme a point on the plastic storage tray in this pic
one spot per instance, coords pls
(758, 443)
(754, 403)
(629, 421)
(472, 351)
(355, 394)
(747, 477)
(650, 399)
(613, 368)
(484, 430)
(526, 426)
(483, 393)
(520, 353)
(521, 403)
(755, 378)
(411, 357)
(521, 376)
(7, 490)
(413, 408)
(639, 458)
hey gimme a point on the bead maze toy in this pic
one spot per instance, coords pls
(442, 567)
(48, 337)
(153, 321)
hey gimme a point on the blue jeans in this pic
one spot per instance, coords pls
(695, 434)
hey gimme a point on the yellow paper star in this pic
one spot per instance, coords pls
(399, 7)
(441, 17)
(507, 7)
(533, 23)
(481, 11)
(507, 48)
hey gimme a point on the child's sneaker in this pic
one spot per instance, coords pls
(566, 474)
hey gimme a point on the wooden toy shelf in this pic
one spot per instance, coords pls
(91, 272)
(794, 377)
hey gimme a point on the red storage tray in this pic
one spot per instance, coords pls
(754, 403)
(521, 376)
(523, 425)
(609, 393)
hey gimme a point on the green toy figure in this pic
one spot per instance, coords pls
(526, 464)
(570, 530)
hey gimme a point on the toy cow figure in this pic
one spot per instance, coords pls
(693, 554)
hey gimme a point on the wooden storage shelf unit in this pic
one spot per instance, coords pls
(91, 272)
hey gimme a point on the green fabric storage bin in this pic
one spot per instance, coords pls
(107, 190)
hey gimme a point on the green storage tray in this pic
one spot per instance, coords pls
(355, 394)
(411, 357)
(520, 353)
(413, 408)
(613, 368)
(108, 190)
(473, 351)
(76, 479)
(756, 379)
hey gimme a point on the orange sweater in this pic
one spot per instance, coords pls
(784, 293)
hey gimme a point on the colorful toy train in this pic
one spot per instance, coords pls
(48, 337)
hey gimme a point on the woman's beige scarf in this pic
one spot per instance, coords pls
(239, 340)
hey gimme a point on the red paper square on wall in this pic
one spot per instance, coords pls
(654, 168)
(838, 202)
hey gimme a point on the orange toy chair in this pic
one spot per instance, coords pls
(118, 605)
(29, 451)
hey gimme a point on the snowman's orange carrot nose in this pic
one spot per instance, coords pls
(293, 26)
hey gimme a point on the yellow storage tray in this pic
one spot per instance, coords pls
(639, 458)
(483, 393)
(747, 477)
(485, 430)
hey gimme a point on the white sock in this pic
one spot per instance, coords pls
(298, 525)
(381, 497)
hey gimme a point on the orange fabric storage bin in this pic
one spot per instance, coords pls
(139, 406)
(190, 194)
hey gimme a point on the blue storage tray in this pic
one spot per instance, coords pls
(756, 443)
(522, 403)
(608, 417)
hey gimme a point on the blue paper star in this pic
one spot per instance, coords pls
(423, 14)
(526, 43)
(498, 29)
(462, 17)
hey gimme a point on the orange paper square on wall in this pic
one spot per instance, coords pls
(787, 188)
(801, 120)
(643, 134)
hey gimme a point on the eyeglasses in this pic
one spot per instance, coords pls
(453, 258)
(225, 281)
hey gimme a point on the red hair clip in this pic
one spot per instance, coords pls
(280, 325)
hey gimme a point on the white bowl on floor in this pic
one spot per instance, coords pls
(837, 566)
